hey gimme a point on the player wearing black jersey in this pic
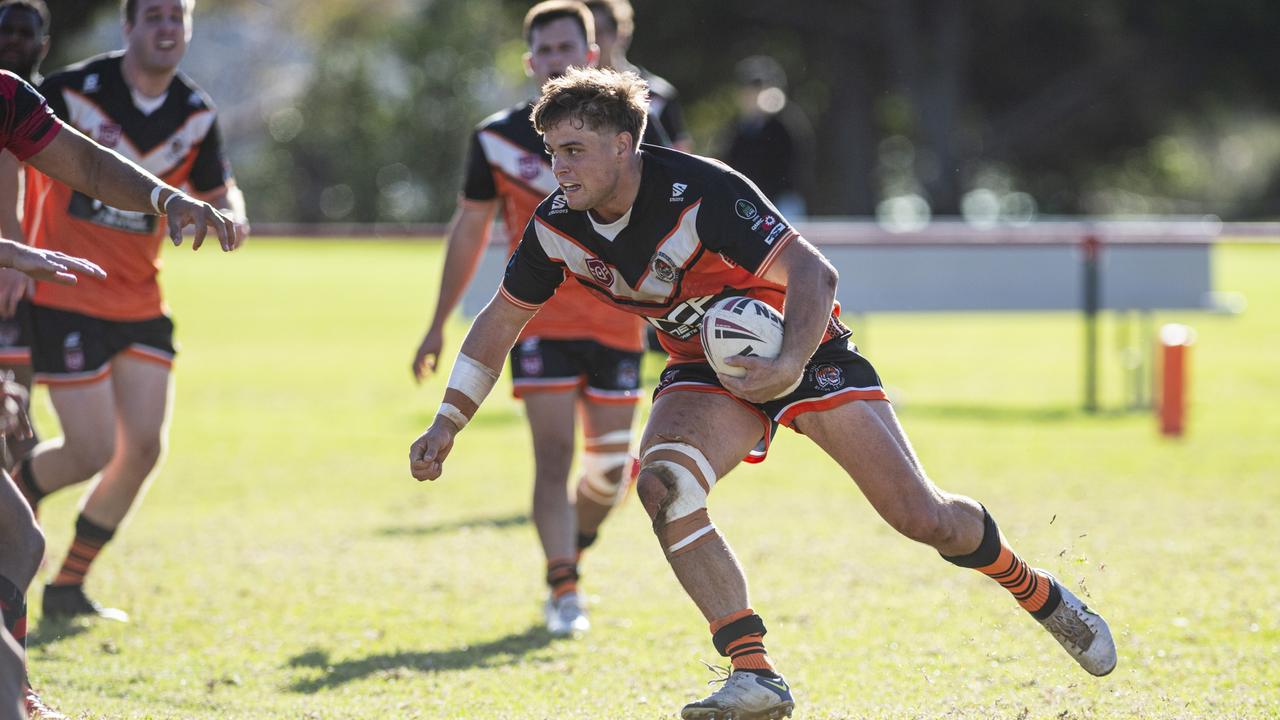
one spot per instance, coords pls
(569, 358)
(663, 234)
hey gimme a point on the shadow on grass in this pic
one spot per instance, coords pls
(506, 650)
(494, 523)
(1009, 413)
(52, 630)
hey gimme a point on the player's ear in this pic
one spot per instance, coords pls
(624, 144)
(528, 64)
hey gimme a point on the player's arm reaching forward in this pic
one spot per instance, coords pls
(811, 289)
(84, 165)
(475, 371)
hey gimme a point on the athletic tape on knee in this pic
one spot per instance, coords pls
(683, 523)
(596, 481)
(616, 438)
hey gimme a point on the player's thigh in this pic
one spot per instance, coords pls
(143, 388)
(719, 426)
(86, 412)
(552, 424)
(605, 418)
(864, 437)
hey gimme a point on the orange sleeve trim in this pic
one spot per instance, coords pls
(15, 357)
(502, 291)
(784, 241)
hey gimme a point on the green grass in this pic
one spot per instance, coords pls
(284, 565)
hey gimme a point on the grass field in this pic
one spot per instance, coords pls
(284, 564)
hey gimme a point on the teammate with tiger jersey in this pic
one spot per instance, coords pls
(663, 234)
(106, 350)
(575, 355)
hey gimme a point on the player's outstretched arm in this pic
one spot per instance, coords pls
(83, 164)
(47, 265)
(464, 245)
(811, 289)
(475, 371)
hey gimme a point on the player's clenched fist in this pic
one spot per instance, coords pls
(427, 454)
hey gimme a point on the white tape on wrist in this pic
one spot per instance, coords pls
(155, 199)
(472, 379)
(454, 414)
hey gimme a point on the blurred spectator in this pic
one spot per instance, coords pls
(771, 141)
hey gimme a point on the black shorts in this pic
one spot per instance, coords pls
(15, 336)
(69, 348)
(603, 373)
(835, 375)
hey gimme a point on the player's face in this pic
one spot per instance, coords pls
(557, 46)
(159, 34)
(587, 164)
(22, 41)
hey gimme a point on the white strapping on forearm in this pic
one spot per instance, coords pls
(472, 378)
(454, 413)
(155, 199)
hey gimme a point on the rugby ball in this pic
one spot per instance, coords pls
(741, 325)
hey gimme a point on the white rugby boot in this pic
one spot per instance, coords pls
(744, 696)
(1081, 632)
(565, 616)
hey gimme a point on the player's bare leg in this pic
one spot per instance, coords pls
(21, 549)
(867, 440)
(691, 440)
(552, 424)
(605, 464)
(14, 448)
(141, 390)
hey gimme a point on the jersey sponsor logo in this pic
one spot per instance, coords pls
(530, 166)
(108, 134)
(828, 377)
(73, 352)
(664, 268)
(684, 320)
(677, 191)
(91, 83)
(83, 207)
(600, 271)
(775, 233)
(559, 204)
(746, 210)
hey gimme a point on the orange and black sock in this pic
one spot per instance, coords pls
(13, 605)
(1034, 590)
(90, 537)
(25, 479)
(740, 637)
(562, 576)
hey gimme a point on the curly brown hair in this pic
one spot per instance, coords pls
(595, 98)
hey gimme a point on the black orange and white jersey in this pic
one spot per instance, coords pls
(507, 162)
(698, 231)
(178, 141)
(26, 123)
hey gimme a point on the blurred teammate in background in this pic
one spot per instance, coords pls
(576, 355)
(33, 134)
(615, 27)
(24, 41)
(105, 349)
(665, 235)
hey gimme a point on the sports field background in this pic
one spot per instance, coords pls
(285, 565)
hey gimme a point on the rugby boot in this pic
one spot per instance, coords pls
(744, 696)
(1081, 632)
(565, 615)
(37, 710)
(63, 602)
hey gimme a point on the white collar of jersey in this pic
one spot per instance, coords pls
(611, 230)
(146, 103)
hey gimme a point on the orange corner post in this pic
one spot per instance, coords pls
(1175, 343)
